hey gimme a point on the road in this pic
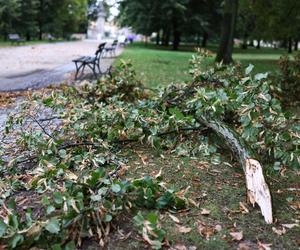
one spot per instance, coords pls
(36, 66)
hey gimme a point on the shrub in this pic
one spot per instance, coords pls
(289, 79)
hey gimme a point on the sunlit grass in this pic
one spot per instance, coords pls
(158, 65)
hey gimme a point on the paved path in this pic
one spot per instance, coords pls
(29, 67)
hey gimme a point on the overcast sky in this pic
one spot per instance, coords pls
(114, 10)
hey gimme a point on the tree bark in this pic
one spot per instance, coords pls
(257, 188)
(228, 28)
(40, 22)
(296, 45)
(176, 34)
(258, 44)
(198, 40)
(166, 37)
(158, 38)
(245, 45)
(176, 40)
(204, 40)
(290, 48)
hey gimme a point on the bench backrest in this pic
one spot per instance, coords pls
(13, 37)
(115, 43)
(100, 50)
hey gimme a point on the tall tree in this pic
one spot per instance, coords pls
(9, 15)
(228, 28)
(28, 25)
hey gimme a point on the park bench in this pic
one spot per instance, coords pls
(15, 38)
(112, 48)
(93, 62)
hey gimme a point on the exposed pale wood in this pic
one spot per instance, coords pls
(257, 188)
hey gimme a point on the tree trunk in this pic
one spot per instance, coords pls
(198, 40)
(284, 44)
(28, 37)
(290, 48)
(166, 37)
(258, 44)
(245, 44)
(176, 34)
(204, 40)
(257, 188)
(176, 40)
(228, 27)
(158, 38)
(296, 45)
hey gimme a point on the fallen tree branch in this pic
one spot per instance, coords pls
(257, 188)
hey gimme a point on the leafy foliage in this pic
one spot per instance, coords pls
(62, 174)
(289, 78)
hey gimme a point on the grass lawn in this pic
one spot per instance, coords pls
(157, 65)
(218, 189)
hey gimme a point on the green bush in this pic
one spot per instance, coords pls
(289, 79)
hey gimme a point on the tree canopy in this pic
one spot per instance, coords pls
(191, 20)
(33, 18)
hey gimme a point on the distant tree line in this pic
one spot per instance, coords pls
(33, 18)
(222, 20)
(172, 20)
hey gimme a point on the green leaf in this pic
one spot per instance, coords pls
(116, 188)
(62, 153)
(107, 218)
(96, 175)
(139, 219)
(56, 247)
(178, 114)
(70, 246)
(249, 69)
(261, 76)
(50, 209)
(58, 198)
(53, 226)
(17, 239)
(3, 227)
(152, 218)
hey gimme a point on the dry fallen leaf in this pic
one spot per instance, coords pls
(218, 228)
(205, 211)
(184, 230)
(179, 246)
(243, 208)
(174, 218)
(279, 231)
(295, 205)
(122, 235)
(243, 246)
(204, 230)
(263, 246)
(290, 226)
(237, 235)
(158, 174)
(194, 203)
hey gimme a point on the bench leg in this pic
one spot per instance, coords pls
(93, 69)
(77, 70)
(83, 68)
(98, 66)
